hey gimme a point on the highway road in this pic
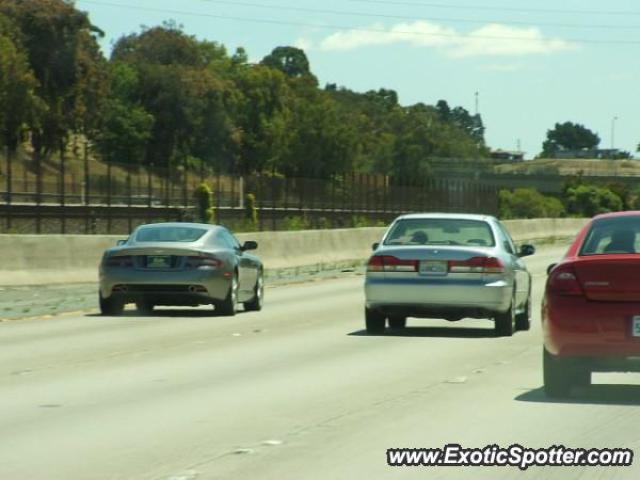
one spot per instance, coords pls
(297, 391)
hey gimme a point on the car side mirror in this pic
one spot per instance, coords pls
(527, 250)
(375, 246)
(119, 243)
(249, 245)
(551, 267)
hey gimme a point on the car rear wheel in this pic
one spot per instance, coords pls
(110, 306)
(229, 305)
(255, 305)
(562, 374)
(397, 322)
(374, 321)
(145, 307)
(523, 320)
(505, 321)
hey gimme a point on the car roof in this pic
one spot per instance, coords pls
(629, 213)
(205, 226)
(452, 216)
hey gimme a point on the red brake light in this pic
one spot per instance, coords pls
(477, 265)
(123, 261)
(375, 264)
(493, 265)
(388, 263)
(202, 261)
(563, 281)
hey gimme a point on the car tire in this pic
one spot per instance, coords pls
(560, 375)
(144, 307)
(255, 305)
(228, 306)
(111, 307)
(523, 320)
(504, 326)
(374, 321)
(397, 322)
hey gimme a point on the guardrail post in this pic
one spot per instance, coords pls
(185, 182)
(218, 193)
(273, 202)
(129, 196)
(333, 180)
(8, 156)
(38, 191)
(63, 222)
(352, 191)
(108, 197)
(259, 202)
(87, 177)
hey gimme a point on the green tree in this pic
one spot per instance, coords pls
(126, 127)
(179, 85)
(18, 101)
(263, 119)
(62, 52)
(568, 136)
(291, 61)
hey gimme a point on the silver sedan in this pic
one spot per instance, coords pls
(449, 266)
(186, 264)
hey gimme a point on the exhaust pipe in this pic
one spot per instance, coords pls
(197, 289)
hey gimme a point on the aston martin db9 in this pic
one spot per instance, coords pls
(182, 264)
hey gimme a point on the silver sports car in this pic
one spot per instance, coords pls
(449, 266)
(186, 264)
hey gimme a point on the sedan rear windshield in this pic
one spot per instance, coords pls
(169, 234)
(441, 231)
(610, 236)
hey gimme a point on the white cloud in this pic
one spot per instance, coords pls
(304, 44)
(490, 40)
(508, 67)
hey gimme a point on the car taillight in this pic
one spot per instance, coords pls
(121, 262)
(477, 265)
(202, 261)
(388, 263)
(563, 281)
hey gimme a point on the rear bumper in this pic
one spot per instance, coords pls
(165, 288)
(576, 327)
(430, 297)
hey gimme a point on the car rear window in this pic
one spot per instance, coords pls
(441, 231)
(169, 234)
(611, 236)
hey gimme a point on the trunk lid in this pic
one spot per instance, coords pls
(610, 278)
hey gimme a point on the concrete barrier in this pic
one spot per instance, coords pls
(55, 259)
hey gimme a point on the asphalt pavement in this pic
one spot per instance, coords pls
(297, 391)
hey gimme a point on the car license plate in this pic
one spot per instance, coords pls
(635, 326)
(433, 267)
(158, 261)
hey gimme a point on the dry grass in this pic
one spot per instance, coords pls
(594, 167)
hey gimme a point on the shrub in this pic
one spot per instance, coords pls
(204, 203)
(590, 200)
(529, 203)
(296, 223)
(250, 209)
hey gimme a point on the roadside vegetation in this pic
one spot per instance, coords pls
(579, 198)
(167, 99)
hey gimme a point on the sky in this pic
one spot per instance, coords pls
(532, 64)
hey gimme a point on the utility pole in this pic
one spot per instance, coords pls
(477, 102)
(613, 133)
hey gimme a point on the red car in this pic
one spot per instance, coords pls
(591, 306)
